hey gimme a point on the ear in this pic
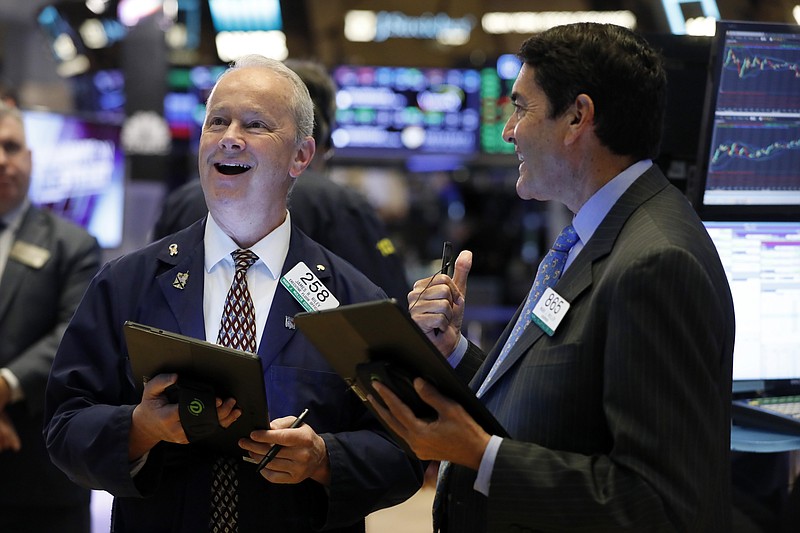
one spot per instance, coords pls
(303, 156)
(580, 117)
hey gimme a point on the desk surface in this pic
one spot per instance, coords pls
(747, 439)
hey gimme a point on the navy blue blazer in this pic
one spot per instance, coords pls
(621, 420)
(91, 396)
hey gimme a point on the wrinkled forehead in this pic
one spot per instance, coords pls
(255, 83)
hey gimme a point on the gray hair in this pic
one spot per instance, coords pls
(300, 101)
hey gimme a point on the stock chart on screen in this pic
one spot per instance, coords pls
(752, 155)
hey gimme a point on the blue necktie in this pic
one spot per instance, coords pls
(550, 270)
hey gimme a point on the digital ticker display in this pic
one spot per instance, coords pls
(496, 106)
(387, 111)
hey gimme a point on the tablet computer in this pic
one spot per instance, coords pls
(379, 340)
(205, 371)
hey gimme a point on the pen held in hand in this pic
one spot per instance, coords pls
(447, 266)
(273, 451)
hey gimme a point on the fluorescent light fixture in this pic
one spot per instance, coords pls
(246, 15)
(130, 12)
(72, 67)
(93, 34)
(98, 7)
(360, 26)
(234, 44)
(533, 22)
(64, 47)
(701, 26)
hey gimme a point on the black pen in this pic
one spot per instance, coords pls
(447, 266)
(277, 447)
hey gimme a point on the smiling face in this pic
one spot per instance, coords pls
(249, 156)
(537, 139)
(15, 164)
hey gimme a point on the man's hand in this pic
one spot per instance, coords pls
(454, 436)
(437, 304)
(304, 454)
(5, 393)
(9, 439)
(156, 420)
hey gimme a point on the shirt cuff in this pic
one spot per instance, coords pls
(13, 385)
(137, 464)
(458, 354)
(484, 478)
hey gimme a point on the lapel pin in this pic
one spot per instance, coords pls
(173, 249)
(289, 322)
(180, 280)
(321, 268)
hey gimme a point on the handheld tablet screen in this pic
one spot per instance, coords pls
(379, 340)
(206, 366)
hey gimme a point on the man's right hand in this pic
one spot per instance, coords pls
(155, 419)
(9, 439)
(438, 308)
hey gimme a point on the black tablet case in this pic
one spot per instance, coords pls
(232, 373)
(379, 340)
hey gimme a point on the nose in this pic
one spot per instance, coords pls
(508, 129)
(232, 139)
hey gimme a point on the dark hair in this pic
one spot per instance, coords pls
(616, 68)
(323, 94)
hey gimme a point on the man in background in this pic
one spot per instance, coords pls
(46, 264)
(335, 216)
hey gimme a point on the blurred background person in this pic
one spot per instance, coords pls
(335, 216)
(46, 264)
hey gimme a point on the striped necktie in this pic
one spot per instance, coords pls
(237, 330)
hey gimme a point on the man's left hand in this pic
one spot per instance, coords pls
(454, 436)
(304, 454)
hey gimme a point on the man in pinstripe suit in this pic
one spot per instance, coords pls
(619, 416)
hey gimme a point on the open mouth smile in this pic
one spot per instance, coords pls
(231, 169)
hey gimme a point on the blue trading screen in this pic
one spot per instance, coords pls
(753, 155)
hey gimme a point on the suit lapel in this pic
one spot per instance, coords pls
(279, 328)
(578, 277)
(183, 283)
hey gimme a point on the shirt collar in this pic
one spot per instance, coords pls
(13, 218)
(589, 217)
(271, 250)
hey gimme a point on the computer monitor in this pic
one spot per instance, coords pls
(749, 162)
(396, 112)
(78, 171)
(762, 262)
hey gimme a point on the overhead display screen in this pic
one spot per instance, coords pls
(396, 111)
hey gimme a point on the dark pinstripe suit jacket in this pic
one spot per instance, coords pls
(620, 420)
